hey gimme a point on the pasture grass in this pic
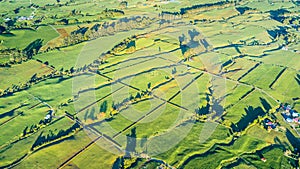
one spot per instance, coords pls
(22, 73)
(25, 36)
(237, 111)
(191, 144)
(262, 76)
(93, 157)
(281, 57)
(59, 152)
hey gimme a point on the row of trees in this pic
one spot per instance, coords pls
(33, 128)
(90, 114)
(196, 9)
(106, 28)
(51, 136)
(18, 56)
(23, 86)
(127, 44)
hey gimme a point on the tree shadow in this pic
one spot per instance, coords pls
(131, 142)
(295, 142)
(297, 78)
(203, 110)
(193, 33)
(251, 115)
(265, 104)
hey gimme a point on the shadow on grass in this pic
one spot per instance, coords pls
(297, 78)
(251, 115)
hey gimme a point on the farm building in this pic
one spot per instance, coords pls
(289, 120)
(48, 116)
(289, 114)
(295, 114)
(268, 124)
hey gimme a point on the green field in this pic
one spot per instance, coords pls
(25, 37)
(149, 84)
(22, 73)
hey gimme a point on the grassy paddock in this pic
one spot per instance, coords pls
(21, 73)
(25, 37)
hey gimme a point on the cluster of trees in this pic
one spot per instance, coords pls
(90, 114)
(15, 56)
(204, 110)
(18, 56)
(2, 29)
(170, 15)
(131, 98)
(73, 71)
(7, 25)
(119, 163)
(69, 19)
(284, 33)
(14, 88)
(51, 136)
(36, 79)
(287, 18)
(33, 128)
(193, 45)
(28, 52)
(127, 44)
(23, 86)
(243, 9)
(278, 14)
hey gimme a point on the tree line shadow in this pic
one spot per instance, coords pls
(251, 114)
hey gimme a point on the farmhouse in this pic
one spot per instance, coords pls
(284, 48)
(23, 18)
(295, 114)
(289, 114)
(289, 120)
(268, 124)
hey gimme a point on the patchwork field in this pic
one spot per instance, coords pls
(149, 84)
